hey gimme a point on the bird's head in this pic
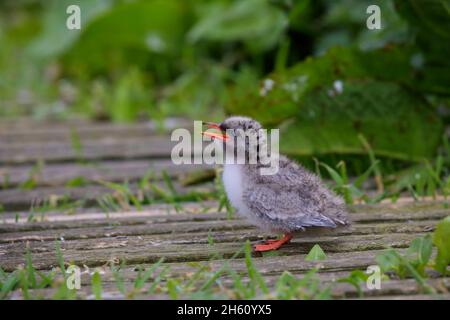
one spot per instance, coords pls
(242, 133)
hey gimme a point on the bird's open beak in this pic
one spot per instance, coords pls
(211, 125)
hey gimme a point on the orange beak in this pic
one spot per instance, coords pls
(211, 125)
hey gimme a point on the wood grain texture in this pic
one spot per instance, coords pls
(18, 199)
(52, 175)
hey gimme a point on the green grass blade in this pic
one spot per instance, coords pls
(96, 284)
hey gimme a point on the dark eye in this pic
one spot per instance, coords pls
(223, 127)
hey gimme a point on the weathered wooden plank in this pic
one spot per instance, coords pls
(19, 220)
(394, 290)
(25, 131)
(297, 265)
(125, 148)
(403, 203)
(202, 212)
(336, 266)
(143, 227)
(127, 248)
(188, 247)
(400, 216)
(390, 289)
(112, 171)
(17, 199)
(271, 270)
(129, 274)
(114, 230)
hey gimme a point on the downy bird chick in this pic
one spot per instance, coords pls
(289, 200)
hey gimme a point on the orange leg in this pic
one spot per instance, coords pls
(273, 244)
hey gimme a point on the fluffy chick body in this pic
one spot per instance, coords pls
(290, 200)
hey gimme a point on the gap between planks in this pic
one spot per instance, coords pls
(208, 211)
(20, 131)
(112, 171)
(17, 199)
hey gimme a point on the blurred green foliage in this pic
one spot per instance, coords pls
(312, 68)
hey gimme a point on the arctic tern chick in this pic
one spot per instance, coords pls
(290, 200)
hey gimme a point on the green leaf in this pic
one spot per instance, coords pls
(441, 239)
(144, 32)
(429, 21)
(334, 174)
(323, 104)
(255, 22)
(391, 260)
(422, 247)
(432, 17)
(60, 258)
(76, 182)
(8, 284)
(143, 278)
(96, 283)
(55, 38)
(285, 98)
(315, 254)
(355, 278)
(360, 180)
(253, 274)
(358, 276)
(30, 270)
(419, 253)
(388, 261)
(172, 288)
(331, 124)
(407, 267)
(129, 96)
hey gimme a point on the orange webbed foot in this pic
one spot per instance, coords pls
(273, 244)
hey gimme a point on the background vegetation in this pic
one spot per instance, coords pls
(335, 88)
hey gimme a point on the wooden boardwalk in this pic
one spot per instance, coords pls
(187, 235)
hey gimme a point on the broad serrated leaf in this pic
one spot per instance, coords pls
(285, 96)
(331, 124)
(333, 99)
